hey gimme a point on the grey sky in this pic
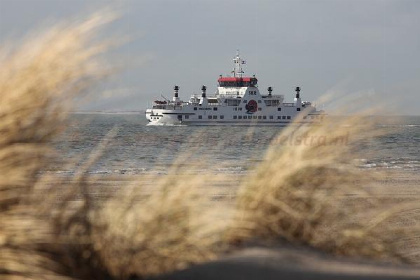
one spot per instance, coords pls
(370, 47)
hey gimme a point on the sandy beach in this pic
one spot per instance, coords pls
(283, 260)
(286, 261)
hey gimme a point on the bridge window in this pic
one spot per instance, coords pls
(264, 117)
(297, 109)
(271, 117)
(222, 117)
(278, 109)
(187, 117)
(289, 117)
(214, 117)
(283, 117)
(235, 117)
(259, 109)
(244, 101)
(200, 117)
(195, 108)
(209, 117)
(240, 117)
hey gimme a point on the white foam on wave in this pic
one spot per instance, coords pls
(164, 124)
(368, 165)
(60, 172)
(99, 172)
(232, 169)
(392, 164)
(399, 125)
(130, 171)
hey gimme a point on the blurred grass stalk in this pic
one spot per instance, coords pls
(309, 191)
(131, 234)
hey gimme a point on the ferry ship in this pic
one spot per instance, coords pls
(237, 101)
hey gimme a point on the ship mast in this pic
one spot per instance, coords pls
(237, 70)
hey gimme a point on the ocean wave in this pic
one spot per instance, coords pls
(389, 164)
(398, 125)
(232, 170)
(164, 124)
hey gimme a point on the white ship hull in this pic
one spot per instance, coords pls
(225, 116)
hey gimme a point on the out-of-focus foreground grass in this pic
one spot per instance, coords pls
(299, 193)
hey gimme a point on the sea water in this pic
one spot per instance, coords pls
(135, 148)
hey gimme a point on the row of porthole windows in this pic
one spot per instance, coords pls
(259, 108)
(249, 117)
(214, 117)
(211, 117)
(155, 118)
(240, 108)
(261, 117)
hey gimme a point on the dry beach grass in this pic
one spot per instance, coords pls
(306, 191)
(309, 191)
(132, 233)
(37, 81)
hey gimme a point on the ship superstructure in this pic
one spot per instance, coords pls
(237, 101)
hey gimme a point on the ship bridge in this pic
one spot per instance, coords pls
(237, 81)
